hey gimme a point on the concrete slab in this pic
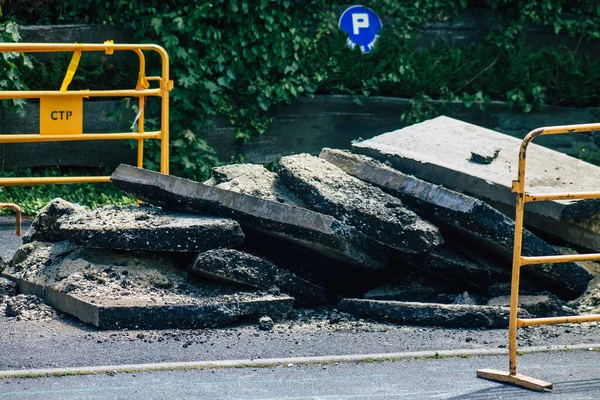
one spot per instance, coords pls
(45, 224)
(316, 231)
(329, 190)
(238, 267)
(412, 313)
(148, 228)
(439, 151)
(539, 306)
(112, 290)
(254, 180)
(464, 215)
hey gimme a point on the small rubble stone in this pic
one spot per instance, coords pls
(254, 180)
(449, 315)
(537, 305)
(24, 307)
(115, 290)
(265, 323)
(7, 287)
(149, 228)
(316, 231)
(238, 267)
(329, 190)
(484, 156)
(45, 226)
(470, 299)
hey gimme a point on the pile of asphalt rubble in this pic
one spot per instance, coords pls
(406, 228)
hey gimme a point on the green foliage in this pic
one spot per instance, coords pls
(32, 198)
(239, 59)
(12, 64)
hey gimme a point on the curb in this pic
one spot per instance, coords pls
(273, 362)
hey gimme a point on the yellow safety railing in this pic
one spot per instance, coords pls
(61, 112)
(518, 187)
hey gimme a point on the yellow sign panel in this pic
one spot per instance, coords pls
(61, 115)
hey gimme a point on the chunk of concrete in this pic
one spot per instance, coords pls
(412, 313)
(7, 287)
(470, 217)
(238, 267)
(112, 290)
(254, 180)
(148, 228)
(539, 306)
(328, 189)
(438, 151)
(317, 231)
(484, 156)
(44, 227)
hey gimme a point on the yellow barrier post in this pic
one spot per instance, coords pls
(518, 187)
(64, 123)
(17, 210)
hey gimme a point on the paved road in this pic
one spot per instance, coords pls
(576, 375)
(9, 242)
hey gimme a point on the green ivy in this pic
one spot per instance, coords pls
(239, 58)
(12, 65)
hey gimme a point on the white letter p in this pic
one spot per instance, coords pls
(360, 21)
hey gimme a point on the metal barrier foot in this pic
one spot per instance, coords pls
(516, 379)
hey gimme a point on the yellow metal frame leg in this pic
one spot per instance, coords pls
(518, 187)
(516, 379)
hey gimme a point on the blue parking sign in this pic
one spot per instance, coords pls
(362, 26)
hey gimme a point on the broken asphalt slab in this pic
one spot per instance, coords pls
(316, 231)
(446, 315)
(237, 267)
(329, 190)
(147, 228)
(254, 180)
(112, 290)
(466, 215)
(45, 225)
(439, 151)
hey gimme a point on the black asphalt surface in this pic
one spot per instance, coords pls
(65, 342)
(576, 375)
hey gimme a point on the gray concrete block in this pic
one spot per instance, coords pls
(439, 151)
(237, 267)
(412, 313)
(149, 228)
(316, 231)
(467, 216)
(45, 226)
(329, 190)
(254, 180)
(112, 290)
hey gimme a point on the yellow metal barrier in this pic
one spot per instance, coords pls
(61, 111)
(51, 128)
(518, 187)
